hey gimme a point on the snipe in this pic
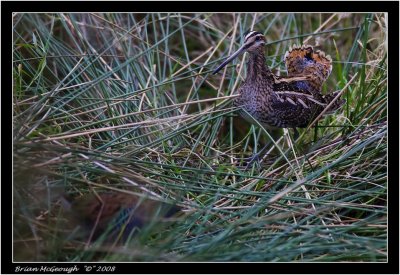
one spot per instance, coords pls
(117, 213)
(283, 102)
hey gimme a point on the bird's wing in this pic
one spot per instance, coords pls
(297, 91)
(298, 84)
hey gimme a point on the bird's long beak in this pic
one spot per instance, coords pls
(233, 56)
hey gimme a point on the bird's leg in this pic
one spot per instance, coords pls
(296, 133)
(255, 157)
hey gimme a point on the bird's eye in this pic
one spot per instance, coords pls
(258, 38)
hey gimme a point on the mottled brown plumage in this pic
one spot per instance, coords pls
(118, 212)
(283, 102)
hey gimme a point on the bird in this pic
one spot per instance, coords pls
(115, 213)
(274, 101)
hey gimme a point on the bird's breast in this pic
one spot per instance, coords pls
(255, 105)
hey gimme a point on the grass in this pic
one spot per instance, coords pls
(104, 101)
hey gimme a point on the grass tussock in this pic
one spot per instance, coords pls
(106, 101)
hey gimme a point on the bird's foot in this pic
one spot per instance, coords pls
(249, 161)
(254, 158)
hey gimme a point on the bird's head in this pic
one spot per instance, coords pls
(252, 42)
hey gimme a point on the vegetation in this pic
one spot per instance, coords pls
(105, 101)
